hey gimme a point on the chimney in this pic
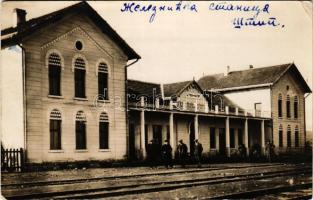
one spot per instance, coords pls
(228, 69)
(250, 66)
(19, 16)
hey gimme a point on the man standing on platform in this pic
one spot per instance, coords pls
(166, 151)
(198, 152)
(182, 153)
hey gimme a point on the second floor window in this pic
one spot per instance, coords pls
(103, 80)
(54, 65)
(280, 105)
(80, 73)
(295, 107)
(288, 106)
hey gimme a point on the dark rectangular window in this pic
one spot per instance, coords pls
(280, 138)
(288, 138)
(295, 107)
(232, 138)
(288, 108)
(146, 135)
(80, 135)
(296, 138)
(280, 110)
(55, 134)
(54, 80)
(240, 137)
(212, 138)
(80, 83)
(104, 135)
(103, 85)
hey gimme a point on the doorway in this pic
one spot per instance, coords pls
(192, 137)
(222, 140)
(157, 134)
(131, 142)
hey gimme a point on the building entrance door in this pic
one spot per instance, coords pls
(192, 137)
(131, 142)
(222, 140)
(157, 134)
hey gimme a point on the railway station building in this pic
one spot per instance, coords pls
(72, 101)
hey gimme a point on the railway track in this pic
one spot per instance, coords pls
(83, 180)
(253, 194)
(156, 186)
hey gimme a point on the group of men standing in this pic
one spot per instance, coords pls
(155, 153)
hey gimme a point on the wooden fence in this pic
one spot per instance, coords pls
(12, 160)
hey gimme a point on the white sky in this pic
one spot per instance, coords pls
(180, 46)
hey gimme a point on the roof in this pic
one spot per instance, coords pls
(251, 78)
(175, 89)
(142, 88)
(13, 35)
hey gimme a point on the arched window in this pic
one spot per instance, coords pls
(288, 106)
(104, 131)
(80, 129)
(54, 65)
(280, 136)
(288, 136)
(280, 105)
(295, 107)
(80, 73)
(55, 129)
(103, 80)
(296, 136)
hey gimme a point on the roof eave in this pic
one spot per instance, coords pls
(241, 87)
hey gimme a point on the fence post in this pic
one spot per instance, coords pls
(22, 159)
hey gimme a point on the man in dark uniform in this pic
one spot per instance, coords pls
(242, 151)
(151, 154)
(198, 152)
(182, 153)
(166, 151)
(269, 151)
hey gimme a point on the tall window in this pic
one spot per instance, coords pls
(288, 106)
(295, 107)
(80, 127)
(280, 136)
(54, 65)
(79, 73)
(288, 136)
(212, 138)
(296, 136)
(104, 131)
(55, 129)
(103, 80)
(280, 105)
(232, 138)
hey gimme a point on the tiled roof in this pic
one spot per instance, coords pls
(142, 88)
(175, 88)
(250, 77)
(13, 35)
